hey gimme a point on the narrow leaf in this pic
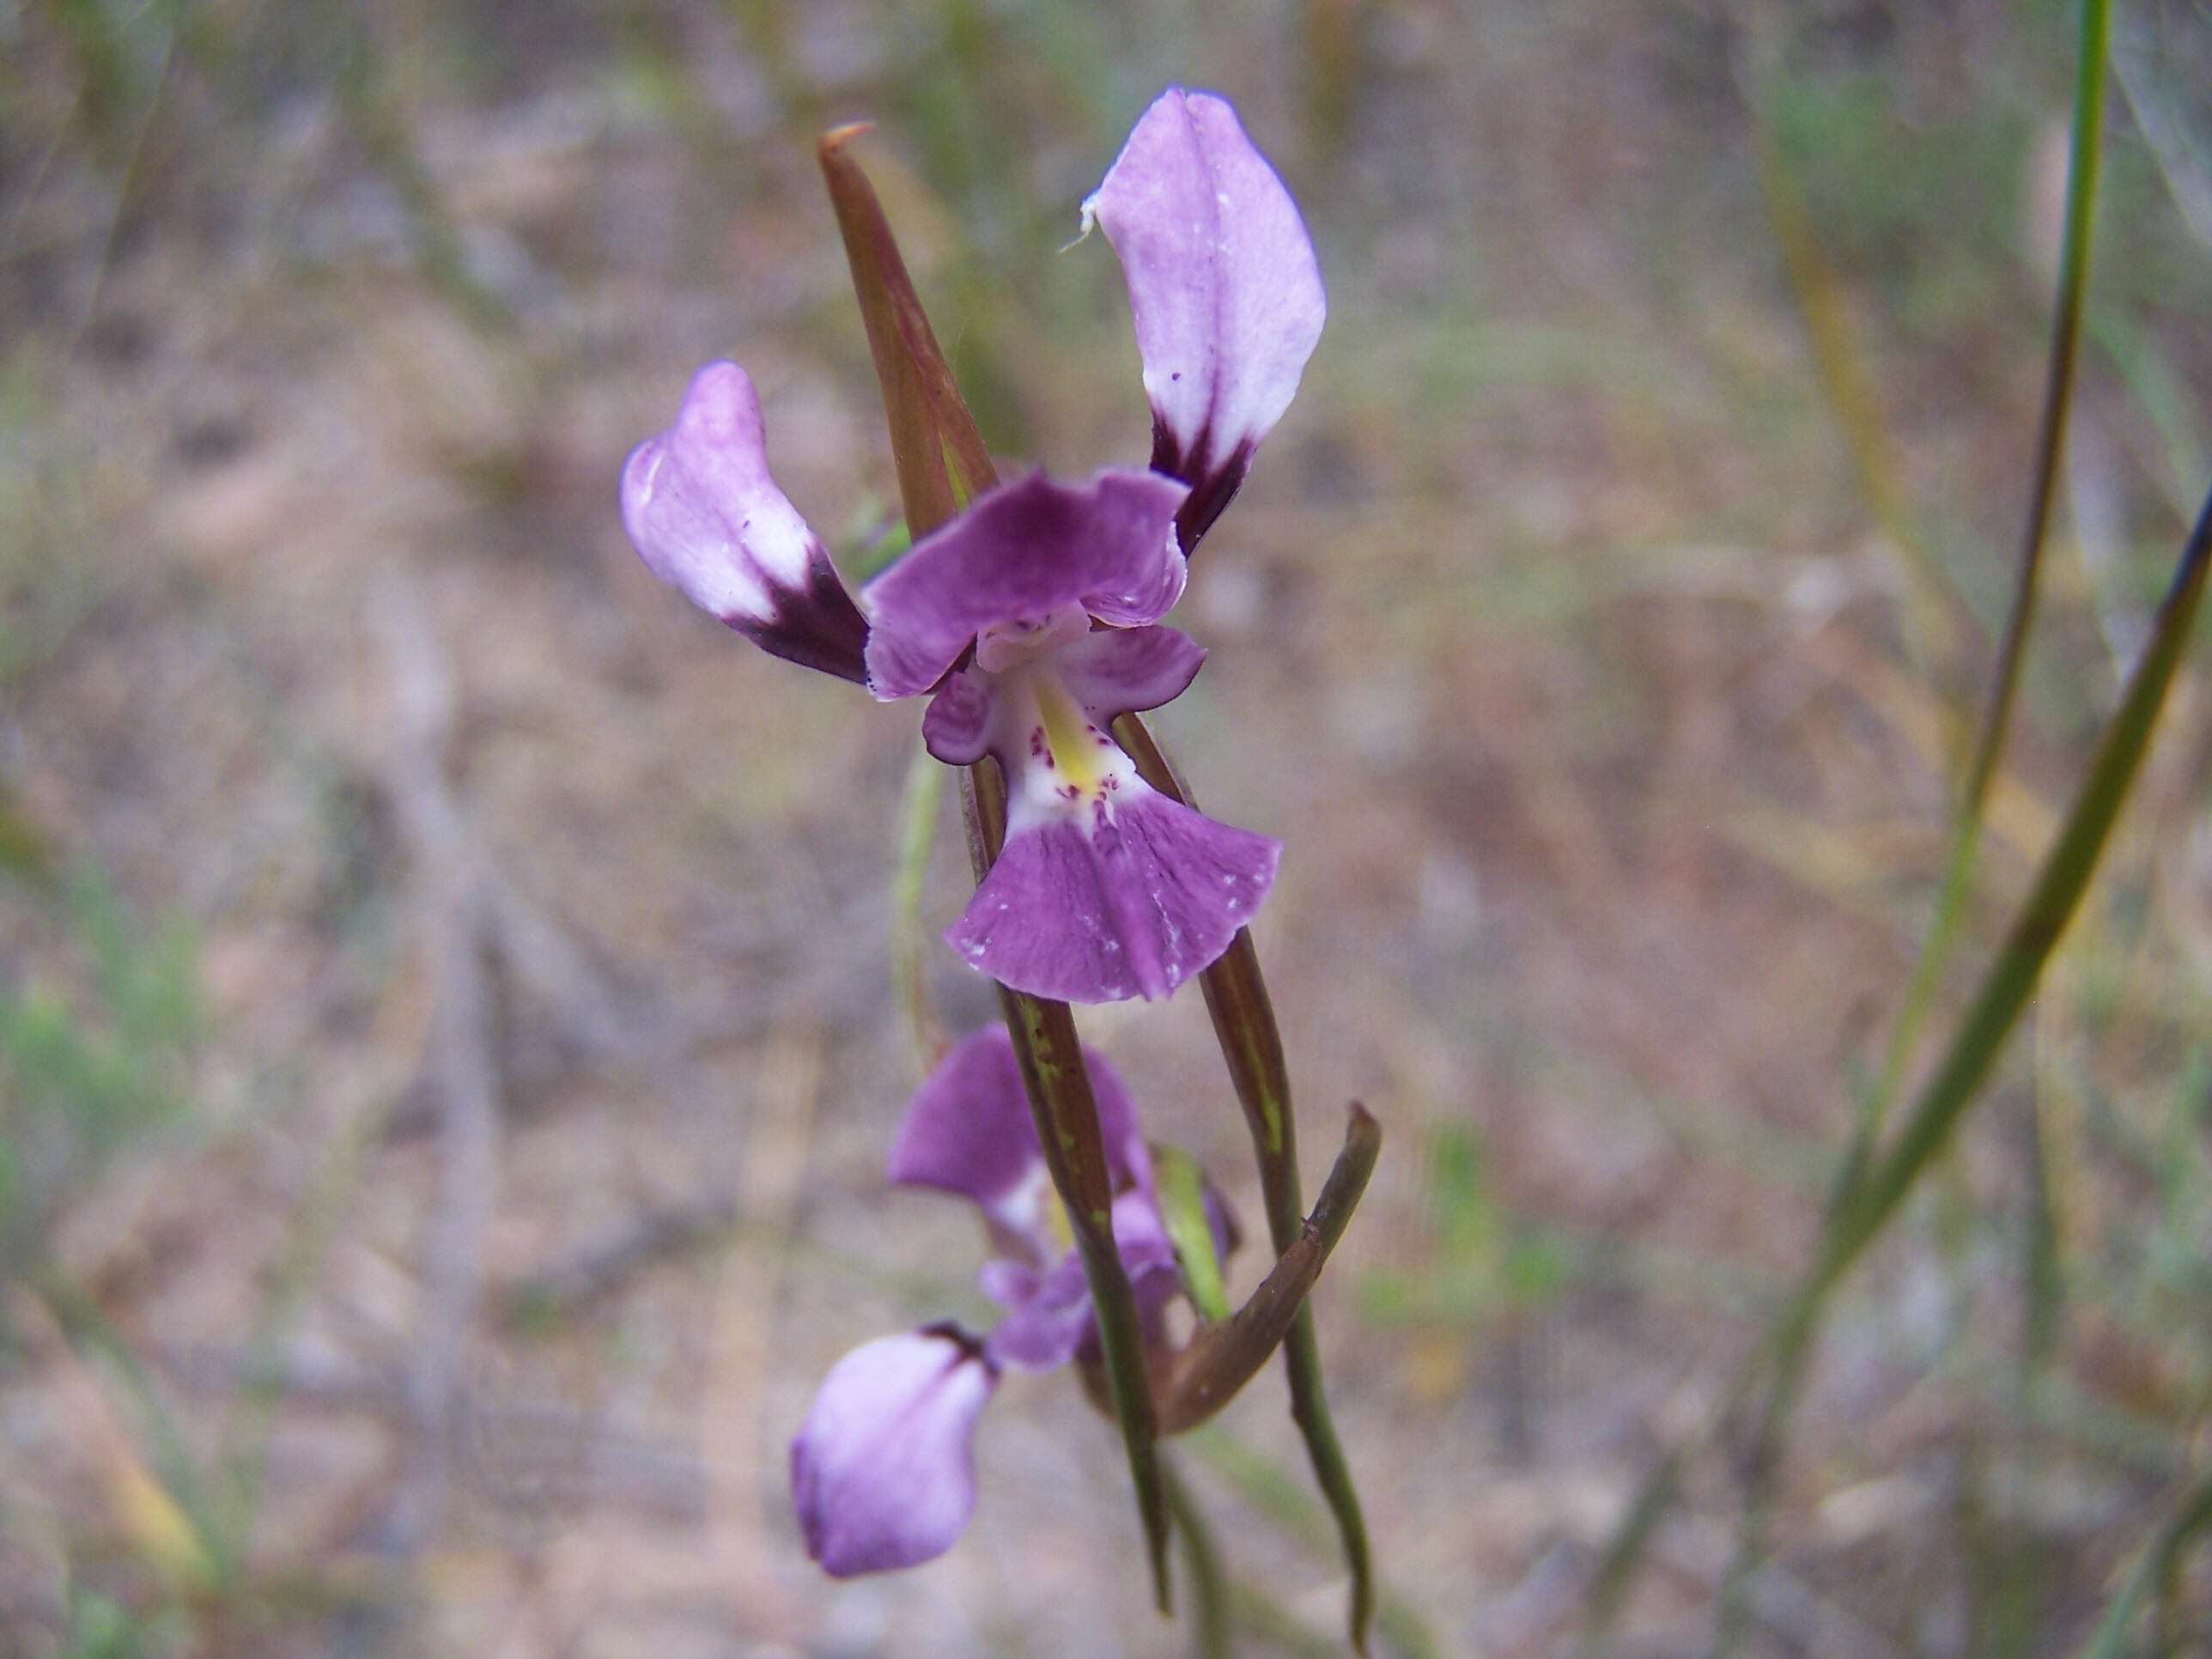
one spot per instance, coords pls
(1222, 1358)
(1181, 1189)
(2049, 444)
(2041, 921)
(879, 270)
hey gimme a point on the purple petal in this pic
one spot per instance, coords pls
(1127, 1159)
(1043, 1328)
(882, 1473)
(1224, 286)
(958, 727)
(1129, 898)
(1019, 554)
(968, 1130)
(706, 517)
(1049, 1319)
(1148, 1257)
(1114, 671)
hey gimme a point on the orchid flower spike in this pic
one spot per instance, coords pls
(882, 1472)
(1032, 619)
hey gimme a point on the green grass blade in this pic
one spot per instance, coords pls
(1212, 1623)
(2036, 928)
(1795, 1332)
(2050, 444)
(2154, 1568)
(1859, 1214)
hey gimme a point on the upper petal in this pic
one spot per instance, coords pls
(706, 516)
(968, 1130)
(1128, 896)
(1016, 554)
(1224, 286)
(882, 1472)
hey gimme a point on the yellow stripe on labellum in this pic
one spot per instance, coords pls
(1078, 747)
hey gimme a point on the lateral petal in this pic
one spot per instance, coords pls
(882, 1472)
(1114, 671)
(706, 517)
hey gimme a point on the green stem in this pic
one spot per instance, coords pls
(1252, 1048)
(1066, 1116)
(1862, 1209)
(2050, 444)
(1859, 1207)
(929, 424)
(1214, 1625)
(925, 788)
(2153, 1572)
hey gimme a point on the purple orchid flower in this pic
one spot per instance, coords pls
(1032, 620)
(882, 1473)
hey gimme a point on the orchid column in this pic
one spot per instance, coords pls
(1029, 613)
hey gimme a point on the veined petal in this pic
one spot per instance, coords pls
(1224, 286)
(1023, 551)
(882, 1472)
(968, 1130)
(707, 517)
(1114, 671)
(1129, 895)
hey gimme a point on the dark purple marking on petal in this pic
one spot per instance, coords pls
(1016, 555)
(706, 516)
(1132, 901)
(1213, 484)
(1114, 671)
(1223, 289)
(883, 1471)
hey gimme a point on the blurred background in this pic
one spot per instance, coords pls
(447, 1036)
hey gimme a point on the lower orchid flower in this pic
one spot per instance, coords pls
(882, 1472)
(1032, 619)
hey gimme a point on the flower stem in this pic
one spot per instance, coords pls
(1067, 1113)
(929, 425)
(1211, 1625)
(1252, 1048)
